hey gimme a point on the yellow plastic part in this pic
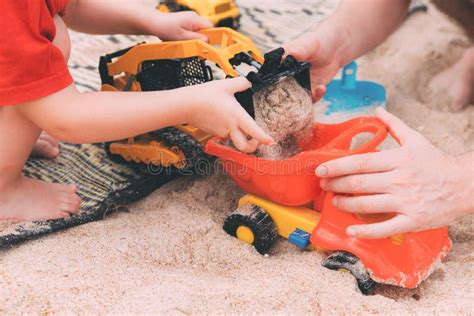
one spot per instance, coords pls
(286, 218)
(194, 132)
(148, 151)
(213, 10)
(223, 44)
(245, 234)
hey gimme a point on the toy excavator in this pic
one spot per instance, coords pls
(170, 65)
(222, 13)
(284, 198)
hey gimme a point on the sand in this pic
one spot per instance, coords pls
(286, 112)
(168, 254)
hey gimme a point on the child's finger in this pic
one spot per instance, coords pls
(241, 141)
(194, 22)
(200, 23)
(235, 85)
(250, 127)
(189, 35)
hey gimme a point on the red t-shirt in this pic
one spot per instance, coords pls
(31, 66)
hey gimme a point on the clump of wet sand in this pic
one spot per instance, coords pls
(286, 112)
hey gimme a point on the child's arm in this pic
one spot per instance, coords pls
(354, 29)
(132, 17)
(104, 116)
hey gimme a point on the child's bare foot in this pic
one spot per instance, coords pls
(28, 199)
(457, 82)
(46, 146)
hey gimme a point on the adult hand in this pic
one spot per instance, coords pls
(423, 186)
(322, 47)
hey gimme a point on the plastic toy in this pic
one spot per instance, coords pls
(169, 65)
(222, 13)
(285, 200)
(348, 94)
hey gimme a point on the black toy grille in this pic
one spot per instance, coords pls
(169, 74)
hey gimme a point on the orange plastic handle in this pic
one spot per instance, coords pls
(358, 126)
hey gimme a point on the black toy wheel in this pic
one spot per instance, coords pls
(341, 260)
(252, 225)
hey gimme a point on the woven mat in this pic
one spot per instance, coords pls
(105, 185)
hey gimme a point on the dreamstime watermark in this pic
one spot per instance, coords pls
(245, 167)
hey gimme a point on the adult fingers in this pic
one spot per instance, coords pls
(396, 225)
(304, 47)
(317, 92)
(241, 141)
(356, 164)
(377, 203)
(399, 130)
(360, 184)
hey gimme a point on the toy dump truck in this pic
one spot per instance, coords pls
(170, 65)
(285, 200)
(222, 13)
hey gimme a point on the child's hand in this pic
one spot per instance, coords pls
(423, 186)
(177, 26)
(218, 112)
(321, 48)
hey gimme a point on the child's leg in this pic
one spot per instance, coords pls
(20, 197)
(458, 80)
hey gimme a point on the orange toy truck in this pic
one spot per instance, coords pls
(285, 200)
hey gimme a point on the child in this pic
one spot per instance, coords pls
(37, 94)
(425, 187)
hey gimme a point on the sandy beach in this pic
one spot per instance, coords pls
(168, 253)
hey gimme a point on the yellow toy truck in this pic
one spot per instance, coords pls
(222, 13)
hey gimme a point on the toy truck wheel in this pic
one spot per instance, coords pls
(252, 225)
(341, 260)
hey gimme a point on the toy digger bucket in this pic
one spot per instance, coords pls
(274, 70)
(348, 94)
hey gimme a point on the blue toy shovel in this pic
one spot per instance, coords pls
(348, 94)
